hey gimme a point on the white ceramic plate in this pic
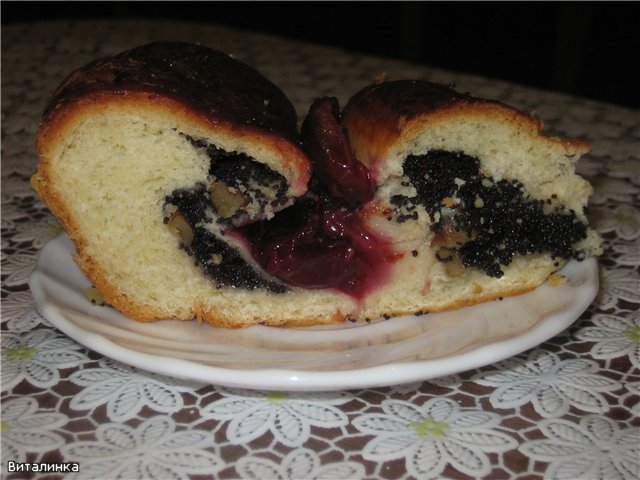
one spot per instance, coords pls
(346, 356)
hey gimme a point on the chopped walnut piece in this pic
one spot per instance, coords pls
(179, 224)
(450, 202)
(557, 279)
(227, 201)
(455, 267)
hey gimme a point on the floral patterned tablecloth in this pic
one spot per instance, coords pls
(565, 409)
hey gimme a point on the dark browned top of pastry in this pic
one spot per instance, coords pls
(380, 114)
(210, 81)
(408, 98)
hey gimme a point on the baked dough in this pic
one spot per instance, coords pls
(178, 173)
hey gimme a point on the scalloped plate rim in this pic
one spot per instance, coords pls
(285, 379)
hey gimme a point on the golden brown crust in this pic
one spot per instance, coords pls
(191, 83)
(56, 124)
(220, 321)
(220, 87)
(380, 114)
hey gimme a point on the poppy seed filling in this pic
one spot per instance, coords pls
(482, 222)
(257, 184)
(202, 212)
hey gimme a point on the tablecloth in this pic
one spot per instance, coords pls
(567, 408)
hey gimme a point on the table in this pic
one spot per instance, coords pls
(565, 409)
